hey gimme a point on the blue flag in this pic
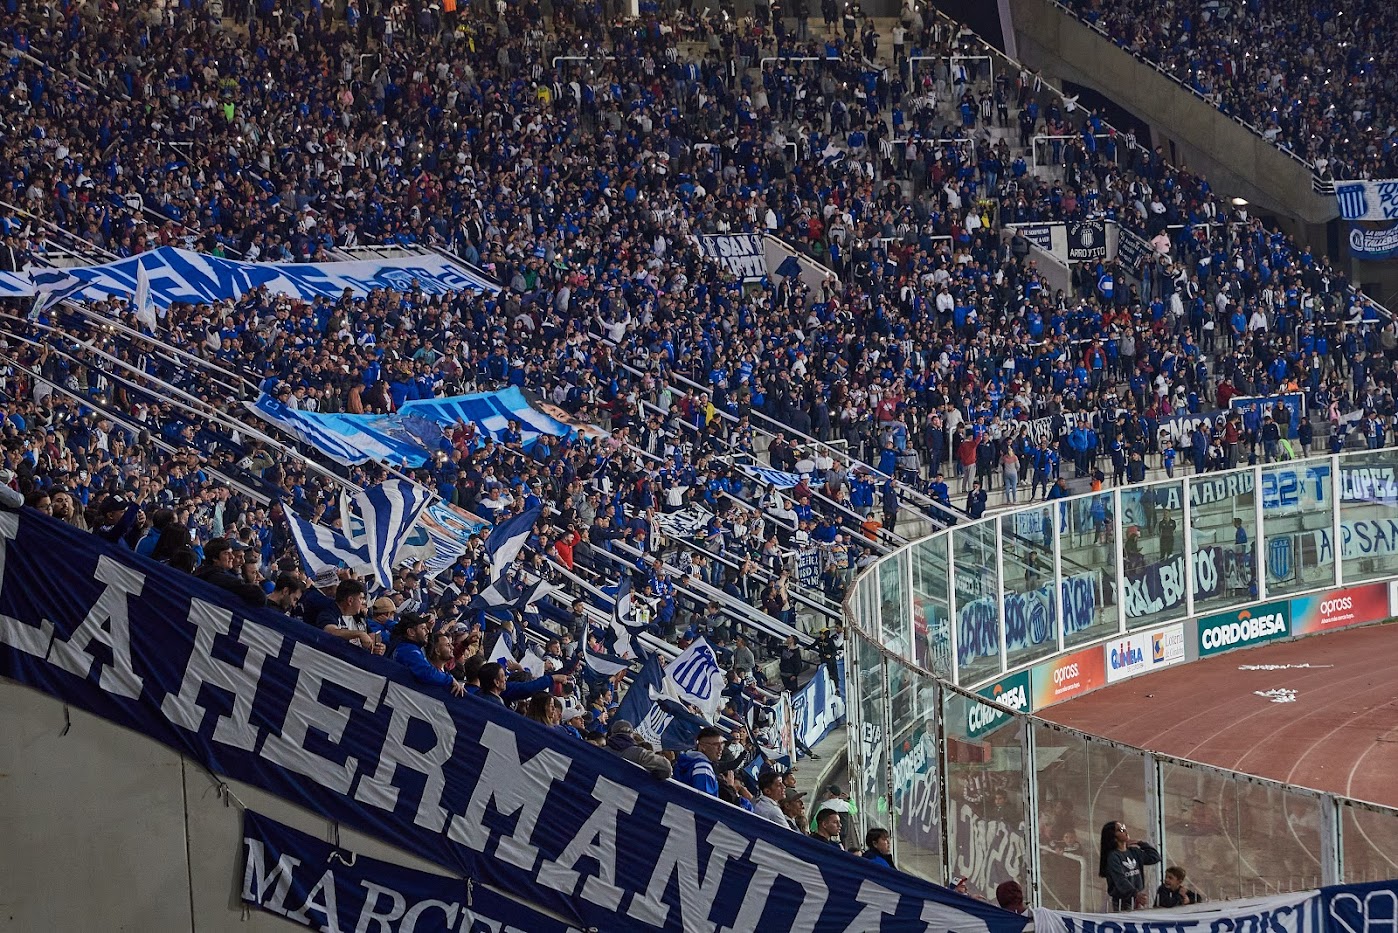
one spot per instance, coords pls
(508, 538)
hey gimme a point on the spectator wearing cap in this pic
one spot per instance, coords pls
(621, 738)
(410, 642)
(381, 618)
(220, 557)
(573, 718)
(878, 847)
(696, 766)
(119, 521)
(794, 806)
(771, 792)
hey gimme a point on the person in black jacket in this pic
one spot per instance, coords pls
(791, 663)
(1173, 892)
(1121, 864)
(219, 560)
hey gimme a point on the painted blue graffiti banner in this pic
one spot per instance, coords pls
(1161, 586)
(467, 784)
(1254, 408)
(179, 275)
(817, 708)
(297, 876)
(413, 434)
(1029, 618)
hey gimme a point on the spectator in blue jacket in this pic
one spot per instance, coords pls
(410, 639)
(696, 766)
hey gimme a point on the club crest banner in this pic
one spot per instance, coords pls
(180, 275)
(470, 785)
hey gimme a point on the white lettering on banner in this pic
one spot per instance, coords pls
(306, 712)
(596, 841)
(1368, 484)
(371, 914)
(986, 852)
(1376, 912)
(235, 727)
(378, 790)
(256, 880)
(321, 899)
(31, 639)
(107, 624)
(511, 786)
(741, 254)
(878, 902)
(1233, 633)
(980, 716)
(872, 744)
(1286, 913)
(679, 860)
(773, 863)
(915, 790)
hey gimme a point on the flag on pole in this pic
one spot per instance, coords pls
(625, 641)
(696, 678)
(508, 538)
(141, 303)
(600, 662)
(389, 510)
(324, 550)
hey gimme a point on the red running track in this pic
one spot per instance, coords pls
(1339, 735)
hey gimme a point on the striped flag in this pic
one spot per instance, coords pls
(324, 549)
(696, 678)
(508, 538)
(389, 510)
(608, 665)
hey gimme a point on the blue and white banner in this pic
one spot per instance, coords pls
(1160, 586)
(665, 724)
(1254, 408)
(15, 285)
(450, 530)
(508, 538)
(324, 887)
(740, 254)
(324, 550)
(817, 708)
(1029, 618)
(1367, 200)
(467, 784)
(770, 477)
(389, 510)
(416, 432)
(1370, 244)
(179, 275)
(696, 678)
(1341, 908)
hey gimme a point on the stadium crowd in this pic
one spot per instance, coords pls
(1312, 78)
(298, 133)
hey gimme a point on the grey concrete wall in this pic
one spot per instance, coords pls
(107, 830)
(1237, 161)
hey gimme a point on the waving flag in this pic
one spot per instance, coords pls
(503, 593)
(658, 719)
(625, 642)
(696, 678)
(325, 550)
(141, 303)
(508, 537)
(389, 510)
(600, 662)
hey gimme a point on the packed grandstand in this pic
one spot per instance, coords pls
(685, 441)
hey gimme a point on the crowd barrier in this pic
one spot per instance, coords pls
(1047, 601)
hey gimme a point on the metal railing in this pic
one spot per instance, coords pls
(1020, 608)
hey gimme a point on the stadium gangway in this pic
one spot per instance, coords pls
(733, 608)
(951, 63)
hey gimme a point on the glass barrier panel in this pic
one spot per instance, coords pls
(1030, 609)
(986, 805)
(893, 604)
(1297, 518)
(1278, 837)
(1200, 811)
(1082, 785)
(1224, 528)
(854, 719)
(1088, 563)
(1370, 842)
(916, 820)
(1368, 515)
(977, 602)
(931, 607)
(869, 781)
(1154, 564)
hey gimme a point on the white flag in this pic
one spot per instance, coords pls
(141, 302)
(696, 678)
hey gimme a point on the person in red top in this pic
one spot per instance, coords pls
(563, 547)
(966, 456)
